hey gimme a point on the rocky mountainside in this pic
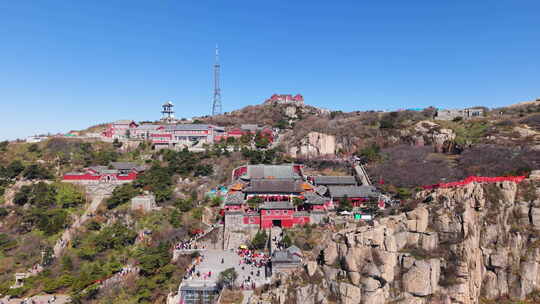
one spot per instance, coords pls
(471, 244)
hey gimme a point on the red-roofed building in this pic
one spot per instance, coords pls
(117, 171)
(119, 129)
(285, 98)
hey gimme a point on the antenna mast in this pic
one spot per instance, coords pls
(216, 102)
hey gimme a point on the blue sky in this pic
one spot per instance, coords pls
(70, 64)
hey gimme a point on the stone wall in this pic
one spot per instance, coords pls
(235, 232)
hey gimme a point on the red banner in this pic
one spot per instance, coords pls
(477, 179)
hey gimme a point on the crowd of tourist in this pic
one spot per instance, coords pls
(193, 242)
(255, 263)
(38, 300)
(251, 258)
(189, 245)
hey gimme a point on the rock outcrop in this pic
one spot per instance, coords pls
(315, 144)
(479, 241)
(430, 133)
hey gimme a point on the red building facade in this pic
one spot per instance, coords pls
(118, 172)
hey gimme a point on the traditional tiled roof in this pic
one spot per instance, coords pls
(352, 191)
(189, 127)
(274, 186)
(148, 127)
(234, 198)
(272, 171)
(116, 166)
(321, 190)
(314, 199)
(250, 127)
(334, 180)
(276, 205)
(100, 169)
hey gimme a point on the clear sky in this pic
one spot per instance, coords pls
(69, 64)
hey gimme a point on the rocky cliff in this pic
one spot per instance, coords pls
(315, 144)
(459, 245)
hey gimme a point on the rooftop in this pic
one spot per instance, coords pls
(334, 180)
(276, 205)
(250, 127)
(272, 171)
(274, 186)
(189, 127)
(148, 127)
(352, 191)
(117, 166)
(314, 199)
(234, 198)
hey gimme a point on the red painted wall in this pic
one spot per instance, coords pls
(90, 177)
(81, 177)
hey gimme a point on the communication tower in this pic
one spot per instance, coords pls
(216, 102)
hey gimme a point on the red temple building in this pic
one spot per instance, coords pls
(285, 98)
(117, 171)
(252, 130)
(357, 195)
(287, 200)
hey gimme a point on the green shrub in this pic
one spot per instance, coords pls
(184, 205)
(197, 213)
(344, 204)
(3, 212)
(6, 243)
(52, 221)
(35, 171)
(14, 169)
(64, 281)
(216, 201)
(254, 202)
(227, 277)
(121, 195)
(259, 240)
(371, 153)
(67, 262)
(151, 259)
(175, 218)
(386, 124)
(93, 225)
(67, 195)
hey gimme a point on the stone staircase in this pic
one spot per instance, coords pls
(362, 174)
